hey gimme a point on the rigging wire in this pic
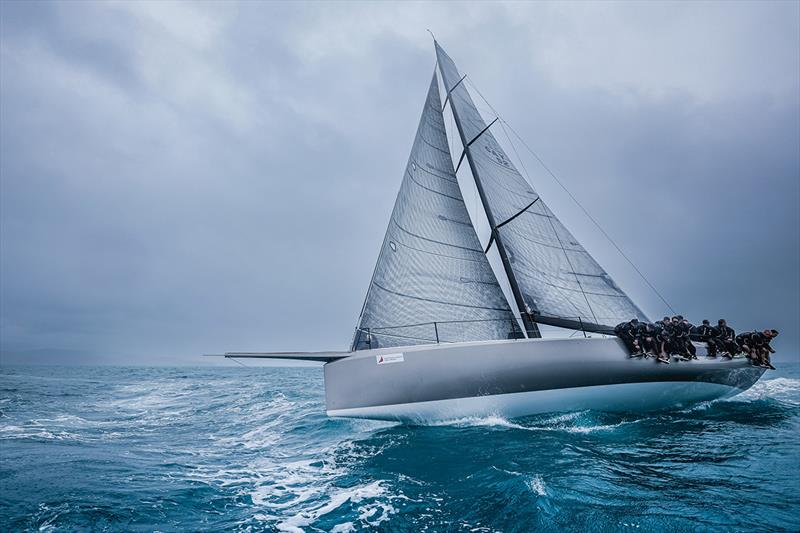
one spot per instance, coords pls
(238, 362)
(552, 225)
(585, 211)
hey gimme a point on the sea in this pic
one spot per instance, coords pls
(250, 449)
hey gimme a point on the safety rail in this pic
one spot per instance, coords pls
(436, 332)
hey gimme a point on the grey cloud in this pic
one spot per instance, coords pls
(188, 178)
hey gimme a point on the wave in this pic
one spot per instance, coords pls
(229, 451)
(782, 389)
(372, 513)
(33, 432)
(571, 422)
(533, 482)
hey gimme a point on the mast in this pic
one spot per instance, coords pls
(531, 329)
(552, 278)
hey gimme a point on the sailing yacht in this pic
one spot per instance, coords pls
(473, 266)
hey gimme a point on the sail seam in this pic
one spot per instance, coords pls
(432, 145)
(401, 243)
(539, 243)
(427, 170)
(432, 240)
(437, 301)
(433, 190)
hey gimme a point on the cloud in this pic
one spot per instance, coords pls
(184, 178)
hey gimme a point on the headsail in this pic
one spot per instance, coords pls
(431, 267)
(558, 282)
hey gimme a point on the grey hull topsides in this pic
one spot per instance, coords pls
(372, 383)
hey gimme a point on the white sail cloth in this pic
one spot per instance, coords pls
(556, 276)
(431, 267)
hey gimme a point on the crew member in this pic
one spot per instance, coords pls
(647, 338)
(751, 343)
(663, 341)
(764, 356)
(627, 331)
(727, 339)
(685, 327)
(710, 335)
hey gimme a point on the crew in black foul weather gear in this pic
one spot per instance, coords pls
(710, 335)
(646, 336)
(756, 345)
(747, 342)
(628, 332)
(664, 340)
(766, 360)
(727, 338)
(685, 327)
(679, 333)
(674, 336)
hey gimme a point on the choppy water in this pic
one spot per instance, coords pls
(168, 449)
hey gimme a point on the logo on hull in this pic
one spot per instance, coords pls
(389, 358)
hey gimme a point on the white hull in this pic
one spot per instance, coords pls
(620, 397)
(518, 378)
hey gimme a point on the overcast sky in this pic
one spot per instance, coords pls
(178, 179)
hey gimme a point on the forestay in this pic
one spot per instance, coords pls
(431, 267)
(555, 275)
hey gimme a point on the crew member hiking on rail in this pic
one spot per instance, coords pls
(710, 335)
(646, 335)
(627, 331)
(663, 340)
(686, 328)
(755, 345)
(727, 339)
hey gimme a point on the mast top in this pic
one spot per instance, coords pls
(432, 35)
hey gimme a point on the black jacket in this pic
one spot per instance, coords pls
(726, 333)
(754, 339)
(625, 330)
(703, 332)
(668, 328)
(645, 330)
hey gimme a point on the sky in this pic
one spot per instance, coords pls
(188, 178)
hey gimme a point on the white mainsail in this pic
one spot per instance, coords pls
(431, 267)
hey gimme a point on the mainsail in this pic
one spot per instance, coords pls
(432, 281)
(555, 279)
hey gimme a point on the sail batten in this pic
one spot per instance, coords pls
(432, 281)
(554, 278)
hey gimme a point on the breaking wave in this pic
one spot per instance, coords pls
(249, 449)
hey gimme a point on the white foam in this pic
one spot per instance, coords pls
(557, 423)
(536, 484)
(783, 389)
(10, 432)
(492, 420)
(357, 494)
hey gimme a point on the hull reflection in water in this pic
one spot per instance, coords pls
(519, 378)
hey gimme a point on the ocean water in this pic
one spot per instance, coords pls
(250, 449)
